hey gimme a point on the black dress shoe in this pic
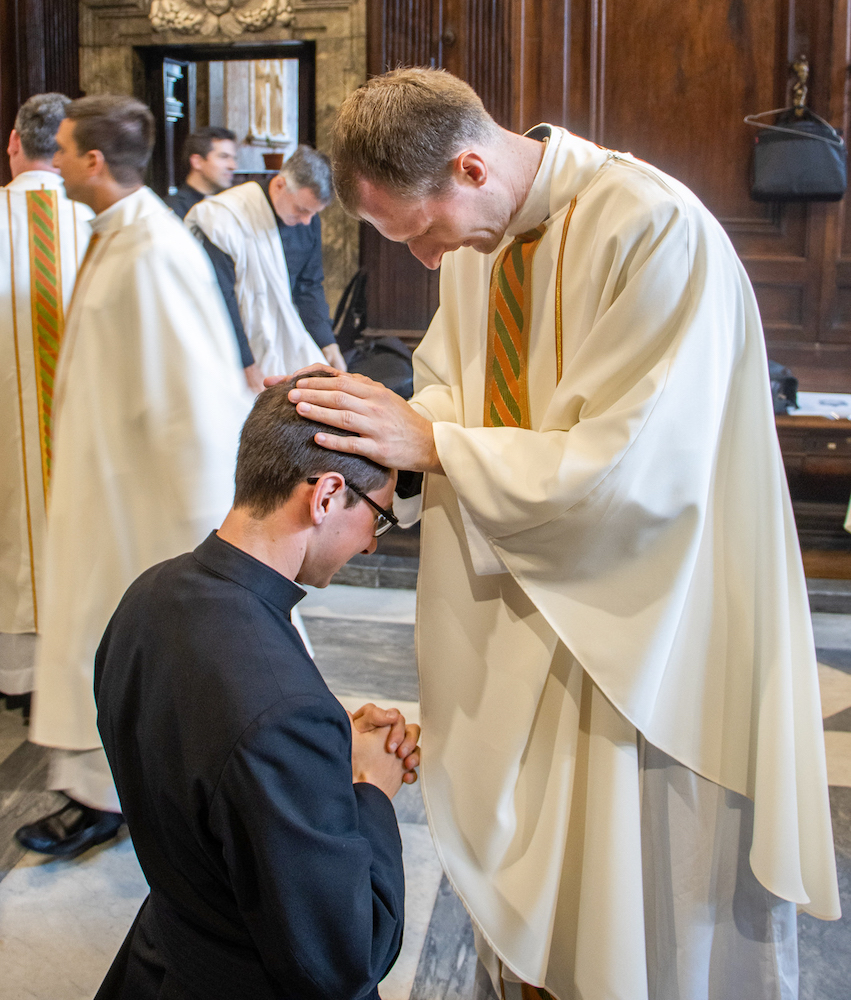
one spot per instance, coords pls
(71, 830)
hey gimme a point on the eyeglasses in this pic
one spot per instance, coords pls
(386, 518)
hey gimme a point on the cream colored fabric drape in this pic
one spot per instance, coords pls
(241, 222)
(150, 400)
(22, 446)
(640, 533)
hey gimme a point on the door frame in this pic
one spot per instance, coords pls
(168, 138)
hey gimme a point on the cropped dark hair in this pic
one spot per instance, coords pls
(277, 452)
(201, 142)
(121, 128)
(308, 168)
(37, 123)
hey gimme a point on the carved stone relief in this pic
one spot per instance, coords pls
(228, 17)
(273, 102)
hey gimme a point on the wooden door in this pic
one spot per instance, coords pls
(672, 82)
(170, 94)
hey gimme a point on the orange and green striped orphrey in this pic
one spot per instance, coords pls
(47, 310)
(509, 313)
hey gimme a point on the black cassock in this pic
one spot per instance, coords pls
(271, 875)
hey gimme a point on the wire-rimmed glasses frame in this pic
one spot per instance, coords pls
(386, 518)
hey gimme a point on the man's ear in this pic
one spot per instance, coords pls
(96, 163)
(196, 162)
(470, 168)
(14, 143)
(331, 488)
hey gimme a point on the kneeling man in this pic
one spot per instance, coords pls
(260, 812)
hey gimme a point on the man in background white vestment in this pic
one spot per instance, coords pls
(43, 236)
(150, 399)
(265, 242)
(612, 614)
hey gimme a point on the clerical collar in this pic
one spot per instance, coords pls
(30, 179)
(192, 192)
(234, 564)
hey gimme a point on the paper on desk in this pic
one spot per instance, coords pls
(833, 405)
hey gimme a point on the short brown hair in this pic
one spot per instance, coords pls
(121, 128)
(277, 452)
(403, 130)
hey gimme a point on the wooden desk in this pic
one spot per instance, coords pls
(817, 455)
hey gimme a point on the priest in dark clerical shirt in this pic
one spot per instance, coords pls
(260, 811)
(209, 156)
(275, 294)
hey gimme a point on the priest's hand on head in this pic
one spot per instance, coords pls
(402, 739)
(389, 431)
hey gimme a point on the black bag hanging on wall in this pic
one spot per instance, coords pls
(798, 158)
(385, 359)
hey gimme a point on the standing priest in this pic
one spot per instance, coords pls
(612, 609)
(266, 246)
(149, 402)
(43, 237)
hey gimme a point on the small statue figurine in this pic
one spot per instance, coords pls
(801, 69)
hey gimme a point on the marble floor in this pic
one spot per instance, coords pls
(62, 921)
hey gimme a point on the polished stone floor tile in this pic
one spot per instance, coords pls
(422, 879)
(23, 799)
(337, 601)
(839, 659)
(835, 690)
(832, 631)
(838, 752)
(12, 729)
(824, 946)
(409, 805)
(840, 722)
(61, 922)
(375, 659)
(447, 964)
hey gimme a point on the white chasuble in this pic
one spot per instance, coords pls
(241, 223)
(629, 565)
(43, 236)
(150, 399)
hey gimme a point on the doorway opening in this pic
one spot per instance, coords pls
(265, 93)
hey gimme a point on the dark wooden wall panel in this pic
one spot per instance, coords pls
(674, 82)
(400, 33)
(472, 39)
(542, 84)
(671, 83)
(482, 54)
(39, 51)
(677, 81)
